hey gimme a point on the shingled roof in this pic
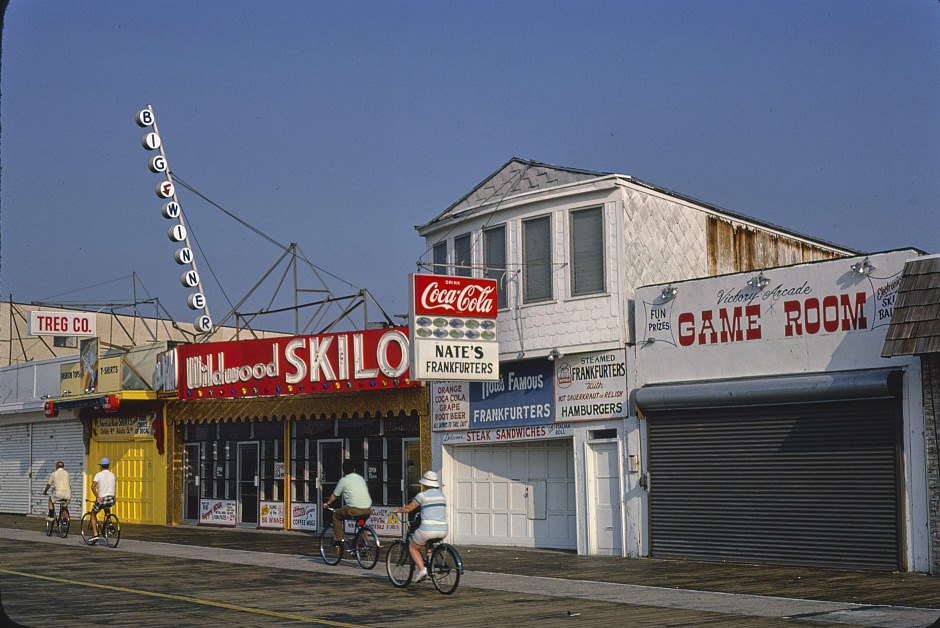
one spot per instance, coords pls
(915, 323)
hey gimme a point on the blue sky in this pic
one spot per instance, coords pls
(341, 126)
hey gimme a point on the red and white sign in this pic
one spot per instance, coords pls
(365, 360)
(61, 324)
(453, 327)
(443, 295)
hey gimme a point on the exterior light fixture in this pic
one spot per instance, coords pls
(554, 354)
(863, 267)
(669, 293)
(760, 282)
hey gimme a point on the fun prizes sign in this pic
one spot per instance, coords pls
(453, 326)
(364, 360)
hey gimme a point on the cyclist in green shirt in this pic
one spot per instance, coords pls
(352, 488)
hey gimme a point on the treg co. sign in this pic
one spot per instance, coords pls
(366, 360)
(453, 326)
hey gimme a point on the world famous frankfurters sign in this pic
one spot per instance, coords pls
(364, 360)
(453, 328)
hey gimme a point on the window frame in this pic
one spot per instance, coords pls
(529, 266)
(461, 269)
(490, 268)
(578, 256)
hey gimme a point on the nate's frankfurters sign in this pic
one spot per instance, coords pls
(453, 324)
(364, 360)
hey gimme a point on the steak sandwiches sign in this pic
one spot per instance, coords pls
(453, 328)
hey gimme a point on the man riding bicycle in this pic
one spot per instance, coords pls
(433, 507)
(104, 486)
(355, 493)
(63, 488)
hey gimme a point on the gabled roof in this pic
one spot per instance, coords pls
(523, 176)
(915, 323)
(517, 176)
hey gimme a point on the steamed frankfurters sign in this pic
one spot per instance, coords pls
(453, 328)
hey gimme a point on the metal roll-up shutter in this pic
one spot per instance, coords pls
(59, 440)
(811, 483)
(14, 465)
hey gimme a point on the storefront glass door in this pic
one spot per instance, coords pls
(329, 467)
(247, 498)
(413, 472)
(191, 462)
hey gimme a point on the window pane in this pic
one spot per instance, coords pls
(440, 258)
(587, 251)
(462, 259)
(537, 259)
(494, 260)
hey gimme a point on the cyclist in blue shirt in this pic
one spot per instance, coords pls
(433, 518)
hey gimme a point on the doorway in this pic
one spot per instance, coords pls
(191, 462)
(603, 479)
(247, 497)
(329, 467)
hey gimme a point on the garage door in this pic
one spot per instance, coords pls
(59, 440)
(14, 469)
(515, 494)
(795, 483)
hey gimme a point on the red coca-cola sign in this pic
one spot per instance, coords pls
(443, 295)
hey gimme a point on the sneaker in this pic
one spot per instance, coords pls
(50, 518)
(93, 539)
(421, 575)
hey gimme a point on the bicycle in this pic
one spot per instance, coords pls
(110, 528)
(363, 542)
(441, 560)
(61, 521)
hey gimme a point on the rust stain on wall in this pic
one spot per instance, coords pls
(734, 248)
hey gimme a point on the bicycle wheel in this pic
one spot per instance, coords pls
(112, 530)
(64, 524)
(444, 569)
(367, 548)
(330, 553)
(87, 531)
(398, 564)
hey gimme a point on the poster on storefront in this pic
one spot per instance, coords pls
(124, 427)
(217, 512)
(450, 406)
(522, 395)
(509, 434)
(272, 515)
(385, 522)
(304, 516)
(591, 386)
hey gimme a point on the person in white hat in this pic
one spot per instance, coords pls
(104, 486)
(433, 518)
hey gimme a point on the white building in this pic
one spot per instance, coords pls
(772, 429)
(551, 455)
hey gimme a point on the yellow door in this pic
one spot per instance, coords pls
(141, 478)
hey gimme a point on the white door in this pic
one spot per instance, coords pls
(514, 494)
(605, 532)
(14, 470)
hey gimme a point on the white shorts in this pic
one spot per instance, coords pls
(422, 536)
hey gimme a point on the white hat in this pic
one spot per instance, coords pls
(430, 479)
